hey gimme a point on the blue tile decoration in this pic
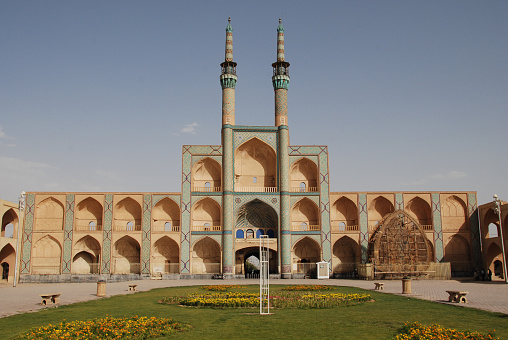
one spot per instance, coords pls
(399, 201)
(67, 241)
(438, 230)
(106, 234)
(27, 233)
(364, 227)
(146, 234)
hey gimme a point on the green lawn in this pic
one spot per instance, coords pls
(371, 320)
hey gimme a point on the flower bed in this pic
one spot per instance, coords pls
(282, 299)
(106, 328)
(418, 331)
(221, 288)
(307, 288)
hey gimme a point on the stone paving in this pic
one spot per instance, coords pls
(491, 296)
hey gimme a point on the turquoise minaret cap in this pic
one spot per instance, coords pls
(280, 28)
(229, 28)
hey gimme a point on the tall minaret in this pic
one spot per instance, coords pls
(280, 80)
(228, 80)
(228, 83)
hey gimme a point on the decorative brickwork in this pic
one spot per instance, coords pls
(146, 234)
(108, 227)
(399, 201)
(364, 226)
(438, 230)
(27, 233)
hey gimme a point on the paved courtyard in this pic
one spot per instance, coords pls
(491, 296)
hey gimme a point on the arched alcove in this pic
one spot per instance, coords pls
(256, 217)
(166, 256)
(457, 252)
(164, 212)
(206, 212)
(305, 212)
(420, 210)
(86, 252)
(49, 215)
(126, 256)
(8, 261)
(346, 255)
(344, 213)
(306, 253)
(46, 256)
(454, 213)
(206, 257)
(127, 212)
(378, 209)
(9, 224)
(255, 167)
(303, 176)
(88, 215)
(206, 175)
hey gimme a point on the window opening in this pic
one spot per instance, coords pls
(167, 226)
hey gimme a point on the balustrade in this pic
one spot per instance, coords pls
(307, 189)
(88, 228)
(302, 227)
(207, 189)
(344, 228)
(206, 228)
(256, 189)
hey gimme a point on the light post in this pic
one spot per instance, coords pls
(18, 239)
(497, 209)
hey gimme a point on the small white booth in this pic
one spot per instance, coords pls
(323, 270)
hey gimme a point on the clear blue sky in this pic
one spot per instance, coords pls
(101, 95)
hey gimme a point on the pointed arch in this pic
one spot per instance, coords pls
(127, 215)
(165, 256)
(126, 256)
(379, 208)
(303, 176)
(457, 251)
(206, 212)
(8, 262)
(489, 218)
(9, 224)
(86, 257)
(420, 210)
(166, 211)
(307, 250)
(494, 254)
(206, 170)
(206, 256)
(305, 211)
(346, 254)
(88, 215)
(454, 213)
(344, 211)
(255, 166)
(46, 256)
(49, 215)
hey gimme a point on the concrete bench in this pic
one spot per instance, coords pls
(48, 299)
(457, 296)
(133, 288)
(379, 285)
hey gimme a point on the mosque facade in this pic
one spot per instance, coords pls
(255, 183)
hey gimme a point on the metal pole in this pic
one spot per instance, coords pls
(21, 217)
(497, 202)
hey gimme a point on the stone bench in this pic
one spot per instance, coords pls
(457, 296)
(133, 288)
(48, 299)
(379, 285)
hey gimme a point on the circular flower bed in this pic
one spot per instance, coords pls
(418, 331)
(216, 300)
(107, 328)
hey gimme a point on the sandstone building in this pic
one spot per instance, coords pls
(255, 183)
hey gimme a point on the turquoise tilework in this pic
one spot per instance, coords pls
(241, 137)
(228, 253)
(67, 241)
(285, 235)
(438, 231)
(146, 234)
(399, 201)
(27, 233)
(474, 224)
(106, 235)
(185, 207)
(240, 200)
(364, 227)
(313, 158)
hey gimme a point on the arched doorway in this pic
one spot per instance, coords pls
(247, 262)
(5, 271)
(458, 253)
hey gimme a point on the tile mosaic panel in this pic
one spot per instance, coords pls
(438, 229)
(106, 235)
(27, 233)
(399, 201)
(67, 241)
(241, 137)
(146, 234)
(364, 227)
